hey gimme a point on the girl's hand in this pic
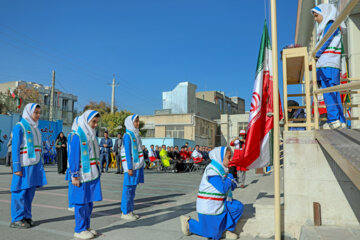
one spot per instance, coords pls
(18, 173)
(63, 145)
(75, 181)
(130, 172)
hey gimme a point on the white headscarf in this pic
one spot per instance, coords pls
(75, 125)
(83, 122)
(217, 155)
(28, 112)
(129, 124)
(329, 13)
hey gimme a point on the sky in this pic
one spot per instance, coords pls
(150, 46)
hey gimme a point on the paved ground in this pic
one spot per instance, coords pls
(160, 202)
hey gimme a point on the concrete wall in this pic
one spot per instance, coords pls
(207, 109)
(230, 126)
(196, 128)
(181, 99)
(309, 176)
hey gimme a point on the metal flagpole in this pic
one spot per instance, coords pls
(276, 120)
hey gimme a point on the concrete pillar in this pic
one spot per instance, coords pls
(353, 30)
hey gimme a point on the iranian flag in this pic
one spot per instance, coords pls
(259, 147)
(12, 94)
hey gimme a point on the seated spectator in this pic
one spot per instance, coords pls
(189, 151)
(179, 164)
(184, 154)
(205, 154)
(196, 155)
(165, 159)
(169, 152)
(157, 151)
(152, 154)
(146, 157)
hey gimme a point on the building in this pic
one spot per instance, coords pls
(181, 126)
(230, 126)
(63, 102)
(193, 116)
(210, 104)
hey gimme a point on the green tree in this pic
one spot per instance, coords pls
(115, 122)
(102, 107)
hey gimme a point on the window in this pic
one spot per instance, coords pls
(65, 104)
(150, 133)
(242, 126)
(46, 99)
(176, 131)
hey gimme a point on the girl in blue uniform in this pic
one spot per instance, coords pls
(328, 64)
(132, 160)
(83, 160)
(28, 169)
(218, 213)
(74, 128)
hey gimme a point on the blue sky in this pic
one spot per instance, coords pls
(150, 45)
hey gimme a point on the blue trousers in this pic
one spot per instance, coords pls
(213, 226)
(127, 199)
(82, 216)
(329, 77)
(21, 204)
(104, 157)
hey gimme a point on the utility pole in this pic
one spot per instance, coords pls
(113, 85)
(51, 111)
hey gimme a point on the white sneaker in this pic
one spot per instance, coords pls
(94, 232)
(71, 209)
(326, 126)
(335, 125)
(84, 235)
(135, 215)
(184, 221)
(230, 235)
(343, 126)
(129, 217)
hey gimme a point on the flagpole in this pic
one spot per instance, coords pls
(276, 120)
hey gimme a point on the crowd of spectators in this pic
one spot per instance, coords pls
(178, 160)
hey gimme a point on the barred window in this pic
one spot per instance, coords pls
(176, 131)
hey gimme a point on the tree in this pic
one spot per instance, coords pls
(102, 107)
(28, 94)
(115, 122)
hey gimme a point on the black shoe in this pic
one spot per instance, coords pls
(22, 224)
(102, 171)
(117, 173)
(30, 221)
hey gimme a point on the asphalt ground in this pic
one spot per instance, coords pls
(160, 201)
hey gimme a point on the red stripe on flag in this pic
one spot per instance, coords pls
(211, 198)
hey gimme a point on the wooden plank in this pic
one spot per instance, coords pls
(295, 64)
(338, 88)
(296, 95)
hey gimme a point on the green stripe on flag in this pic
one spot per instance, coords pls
(265, 43)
